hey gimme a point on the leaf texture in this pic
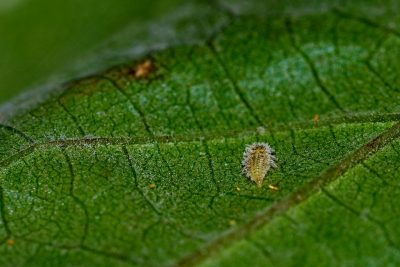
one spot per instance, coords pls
(116, 170)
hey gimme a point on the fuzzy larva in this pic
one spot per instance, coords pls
(258, 159)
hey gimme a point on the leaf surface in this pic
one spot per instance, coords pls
(125, 169)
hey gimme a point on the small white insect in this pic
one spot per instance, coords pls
(258, 159)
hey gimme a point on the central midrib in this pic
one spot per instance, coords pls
(203, 136)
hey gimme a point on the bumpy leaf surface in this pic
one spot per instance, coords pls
(121, 169)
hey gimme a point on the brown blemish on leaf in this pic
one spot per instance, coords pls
(121, 75)
(144, 69)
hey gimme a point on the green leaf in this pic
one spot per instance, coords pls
(130, 169)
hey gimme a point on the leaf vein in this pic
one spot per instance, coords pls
(295, 198)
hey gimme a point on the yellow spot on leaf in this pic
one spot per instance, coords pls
(316, 119)
(152, 186)
(273, 187)
(10, 242)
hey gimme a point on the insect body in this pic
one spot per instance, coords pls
(258, 159)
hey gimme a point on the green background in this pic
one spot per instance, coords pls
(40, 38)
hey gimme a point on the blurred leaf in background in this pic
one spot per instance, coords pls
(40, 38)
